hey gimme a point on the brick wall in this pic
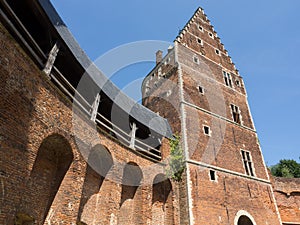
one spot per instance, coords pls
(43, 171)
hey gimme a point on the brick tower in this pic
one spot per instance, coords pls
(198, 89)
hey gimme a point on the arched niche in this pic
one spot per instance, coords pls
(162, 205)
(100, 161)
(131, 198)
(52, 162)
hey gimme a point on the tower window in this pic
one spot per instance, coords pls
(212, 175)
(200, 28)
(227, 79)
(201, 89)
(200, 41)
(196, 60)
(206, 130)
(246, 156)
(211, 35)
(217, 51)
(236, 115)
(238, 83)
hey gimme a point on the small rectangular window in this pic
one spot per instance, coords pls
(236, 114)
(196, 60)
(206, 130)
(217, 51)
(246, 156)
(201, 89)
(227, 79)
(212, 175)
(200, 41)
(211, 35)
(200, 28)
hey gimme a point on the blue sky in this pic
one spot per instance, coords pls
(262, 37)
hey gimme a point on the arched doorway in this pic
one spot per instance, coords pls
(131, 197)
(162, 207)
(244, 220)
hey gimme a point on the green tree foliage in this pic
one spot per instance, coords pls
(286, 168)
(176, 162)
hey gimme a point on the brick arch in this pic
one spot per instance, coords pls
(162, 205)
(100, 161)
(131, 196)
(244, 218)
(51, 164)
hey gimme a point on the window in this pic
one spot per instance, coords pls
(200, 28)
(196, 60)
(247, 163)
(201, 89)
(236, 115)
(238, 83)
(211, 35)
(200, 41)
(206, 130)
(227, 79)
(217, 51)
(212, 175)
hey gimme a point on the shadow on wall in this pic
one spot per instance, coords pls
(131, 195)
(162, 204)
(100, 162)
(53, 160)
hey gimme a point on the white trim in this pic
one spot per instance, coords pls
(228, 171)
(217, 116)
(184, 138)
(243, 213)
(215, 80)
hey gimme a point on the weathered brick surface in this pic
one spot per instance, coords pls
(43, 169)
(287, 194)
(234, 192)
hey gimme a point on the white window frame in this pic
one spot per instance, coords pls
(215, 175)
(200, 28)
(227, 78)
(248, 163)
(200, 41)
(209, 130)
(202, 88)
(234, 109)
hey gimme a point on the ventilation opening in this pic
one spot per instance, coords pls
(212, 175)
